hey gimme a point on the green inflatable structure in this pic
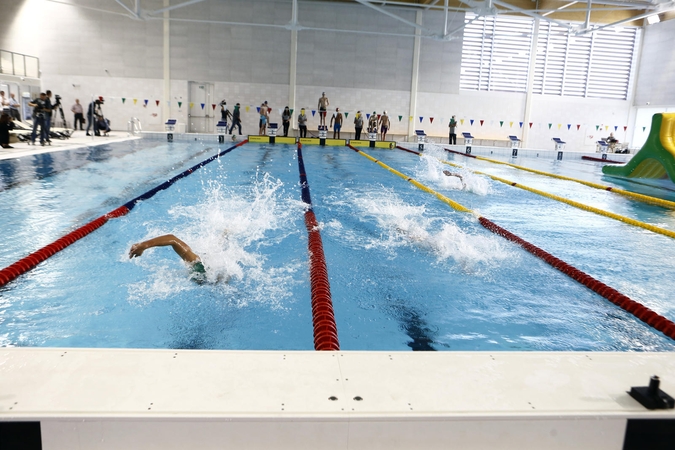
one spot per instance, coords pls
(656, 159)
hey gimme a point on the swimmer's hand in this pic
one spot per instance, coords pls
(136, 250)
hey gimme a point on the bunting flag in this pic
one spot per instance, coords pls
(501, 123)
(123, 100)
(192, 104)
(281, 111)
(257, 108)
(378, 116)
(135, 100)
(461, 121)
(367, 116)
(549, 125)
(248, 108)
(510, 124)
(421, 119)
(180, 104)
(313, 112)
(146, 102)
(156, 102)
(168, 103)
(431, 119)
(213, 105)
(559, 125)
(481, 122)
(597, 127)
(615, 127)
(399, 118)
(643, 129)
(569, 125)
(521, 124)
(203, 104)
(578, 126)
(530, 124)
(625, 127)
(606, 127)
(346, 114)
(410, 119)
(292, 111)
(471, 122)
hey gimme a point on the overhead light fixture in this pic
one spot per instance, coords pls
(651, 20)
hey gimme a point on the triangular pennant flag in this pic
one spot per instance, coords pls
(168, 103)
(313, 112)
(346, 114)
(146, 102)
(461, 121)
(258, 108)
(578, 126)
(248, 108)
(597, 127)
(625, 127)
(281, 111)
(549, 126)
(521, 124)
(203, 104)
(399, 118)
(135, 100)
(421, 119)
(606, 127)
(510, 124)
(192, 104)
(180, 104)
(615, 127)
(123, 100)
(501, 123)
(530, 124)
(378, 116)
(410, 119)
(367, 116)
(559, 125)
(569, 125)
(213, 105)
(431, 119)
(643, 129)
(292, 111)
(481, 122)
(471, 121)
(156, 102)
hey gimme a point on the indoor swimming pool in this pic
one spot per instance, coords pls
(406, 271)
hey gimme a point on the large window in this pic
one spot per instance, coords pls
(496, 52)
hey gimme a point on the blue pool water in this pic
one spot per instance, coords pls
(406, 271)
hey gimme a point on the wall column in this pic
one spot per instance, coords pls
(415, 75)
(166, 110)
(530, 82)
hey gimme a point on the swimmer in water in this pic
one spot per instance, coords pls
(181, 248)
(454, 174)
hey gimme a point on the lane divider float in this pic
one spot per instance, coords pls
(601, 212)
(22, 266)
(633, 195)
(646, 315)
(323, 317)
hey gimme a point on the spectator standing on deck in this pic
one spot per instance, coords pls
(79, 114)
(6, 124)
(452, 140)
(14, 107)
(286, 119)
(358, 125)
(302, 123)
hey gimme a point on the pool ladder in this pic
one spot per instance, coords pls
(134, 126)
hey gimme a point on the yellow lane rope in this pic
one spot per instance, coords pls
(633, 195)
(582, 206)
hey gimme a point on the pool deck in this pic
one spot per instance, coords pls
(352, 399)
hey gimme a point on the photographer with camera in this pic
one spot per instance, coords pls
(48, 114)
(39, 105)
(93, 113)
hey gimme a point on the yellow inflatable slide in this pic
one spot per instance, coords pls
(656, 158)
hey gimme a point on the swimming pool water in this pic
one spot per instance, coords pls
(406, 271)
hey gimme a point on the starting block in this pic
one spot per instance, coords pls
(468, 140)
(559, 147)
(421, 139)
(323, 131)
(515, 143)
(170, 126)
(272, 129)
(221, 129)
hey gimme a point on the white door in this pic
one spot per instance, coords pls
(200, 111)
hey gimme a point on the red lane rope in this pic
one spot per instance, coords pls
(323, 318)
(591, 158)
(640, 311)
(24, 265)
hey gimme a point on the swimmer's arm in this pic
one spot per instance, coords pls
(181, 248)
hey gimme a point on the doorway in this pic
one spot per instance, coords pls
(200, 114)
